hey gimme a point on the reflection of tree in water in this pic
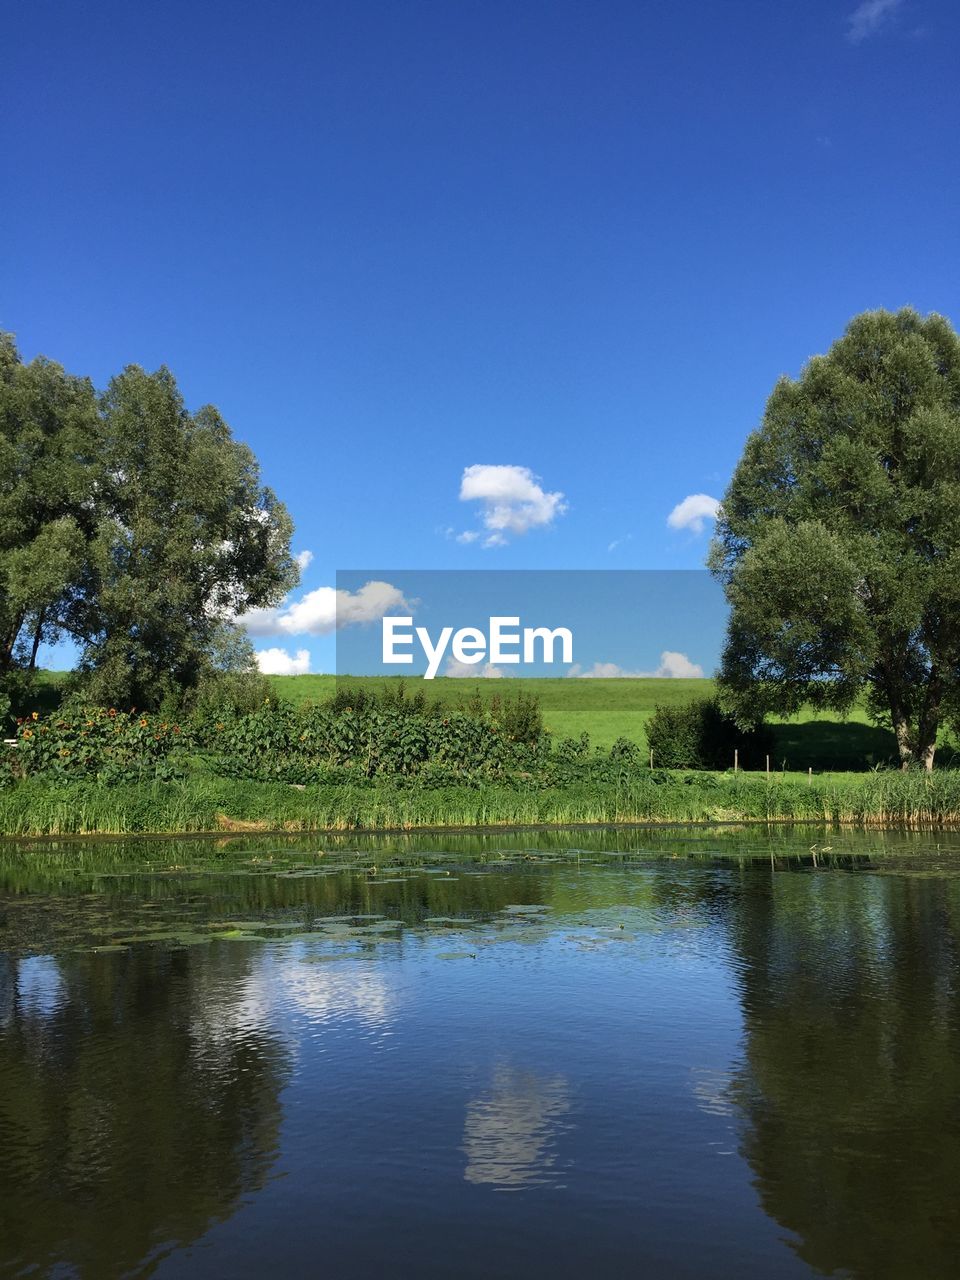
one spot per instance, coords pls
(510, 1130)
(851, 1092)
(126, 1128)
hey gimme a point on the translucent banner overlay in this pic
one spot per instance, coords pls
(482, 624)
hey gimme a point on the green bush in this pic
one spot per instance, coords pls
(378, 738)
(698, 735)
(392, 697)
(87, 742)
(518, 718)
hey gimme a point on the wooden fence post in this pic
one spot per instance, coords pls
(736, 759)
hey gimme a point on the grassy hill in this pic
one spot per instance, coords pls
(611, 709)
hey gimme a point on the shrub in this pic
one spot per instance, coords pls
(9, 773)
(698, 735)
(519, 718)
(379, 737)
(571, 750)
(625, 752)
(86, 742)
(392, 697)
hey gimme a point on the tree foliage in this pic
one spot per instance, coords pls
(699, 735)
(48, 446)
(130, 525)
(838, 541)
(189, 538)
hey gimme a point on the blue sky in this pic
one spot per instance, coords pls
(396, 241)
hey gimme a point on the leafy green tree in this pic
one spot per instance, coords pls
(838, 541)
(187, 538)
(48, 447)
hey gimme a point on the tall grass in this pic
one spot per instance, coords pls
(36, 807)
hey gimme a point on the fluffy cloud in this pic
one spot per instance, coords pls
(673, 666)
(870, 17)
(277, 662)
(472, 670)
(512, 501)
(677, 666)
(693, 511)
(304, 560)
(320, 612)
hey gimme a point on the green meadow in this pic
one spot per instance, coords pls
(612, 709)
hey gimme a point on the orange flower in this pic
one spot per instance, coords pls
(143, 724)
(33, 715)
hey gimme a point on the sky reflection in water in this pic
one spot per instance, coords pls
(680, 1055)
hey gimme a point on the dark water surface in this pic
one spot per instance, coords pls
(666, 1054)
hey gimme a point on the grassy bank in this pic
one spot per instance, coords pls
(37, 807)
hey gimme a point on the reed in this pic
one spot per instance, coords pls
(38, 807)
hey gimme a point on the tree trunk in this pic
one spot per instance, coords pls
(8, 642)
(927, 736)
(901, 730)
(38, 632)
(928, 721)
(919, 746)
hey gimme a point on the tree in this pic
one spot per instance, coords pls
(48, 446)
(187, 538)
(838, 541)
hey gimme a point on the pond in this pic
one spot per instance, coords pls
(672, 1053)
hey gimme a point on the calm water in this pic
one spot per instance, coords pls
(673, 1054)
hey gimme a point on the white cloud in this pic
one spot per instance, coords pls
(677, 666)
(673, 666)
(618, 542)
(870, 17)
(324, 610)
(304, 560)
(472, 670)
(512, 501)
(693, 511)
(277, 662)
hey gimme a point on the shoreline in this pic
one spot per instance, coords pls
(646, 824)
(212, 806)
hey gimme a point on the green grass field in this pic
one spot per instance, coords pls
(611, 709)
